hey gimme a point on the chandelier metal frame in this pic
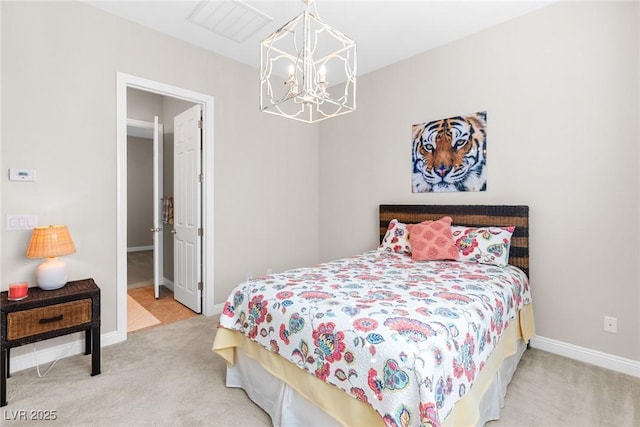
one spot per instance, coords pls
(295, 62)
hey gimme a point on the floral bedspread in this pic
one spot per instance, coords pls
(408, 338)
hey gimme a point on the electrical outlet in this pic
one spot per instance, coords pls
(610, 324)
(269, 272)
(249, 276)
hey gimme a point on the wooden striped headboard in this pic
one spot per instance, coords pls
(470, 215)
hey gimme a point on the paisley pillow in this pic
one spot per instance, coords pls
(432, 240)
(486, 245)
(396, 238)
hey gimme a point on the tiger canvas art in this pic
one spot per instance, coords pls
(450, 154)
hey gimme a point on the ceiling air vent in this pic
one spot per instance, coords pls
(232, 19)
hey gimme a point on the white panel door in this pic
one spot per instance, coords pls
(187, 208)
(158, 268)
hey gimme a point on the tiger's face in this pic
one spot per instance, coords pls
(449, 154)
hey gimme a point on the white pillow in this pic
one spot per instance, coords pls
(396, 239)
(486, 245)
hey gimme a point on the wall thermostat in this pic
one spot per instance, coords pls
(22, 174)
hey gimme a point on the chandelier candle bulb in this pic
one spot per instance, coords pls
(322, 74)
(18, 291)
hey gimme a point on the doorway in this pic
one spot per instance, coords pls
(205, 104)
(150, 299)
(145, 187)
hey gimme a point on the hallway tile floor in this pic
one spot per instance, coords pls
(165, 308)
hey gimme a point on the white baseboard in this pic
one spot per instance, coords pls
(217, 309)
(593, 357)
(140, 248)
(167, 283)
(74, 346)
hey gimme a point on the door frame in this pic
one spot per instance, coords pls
(125, 81)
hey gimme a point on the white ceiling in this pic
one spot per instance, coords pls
(384, 31)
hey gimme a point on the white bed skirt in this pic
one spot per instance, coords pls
(288, 408)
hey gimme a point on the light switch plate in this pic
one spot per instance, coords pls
(21, 222)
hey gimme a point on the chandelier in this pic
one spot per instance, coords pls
(307, 70)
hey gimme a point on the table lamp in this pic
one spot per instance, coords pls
(50, 242)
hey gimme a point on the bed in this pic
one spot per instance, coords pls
(383, 339)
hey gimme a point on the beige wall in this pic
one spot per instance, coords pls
(139, 192)
(59, 65)
(142, 106)
(561, 89)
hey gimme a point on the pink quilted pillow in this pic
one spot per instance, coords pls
(432, 240)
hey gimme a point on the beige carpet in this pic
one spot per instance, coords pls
(160, 377)
(169, 377)
(139, 269)
(138, 317)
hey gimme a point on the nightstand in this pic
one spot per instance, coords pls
(47, 314)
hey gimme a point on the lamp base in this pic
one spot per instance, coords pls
(52, 274)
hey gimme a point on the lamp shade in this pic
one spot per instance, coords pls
(50, 241)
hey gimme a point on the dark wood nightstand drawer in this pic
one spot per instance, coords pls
(44, 319)
(42, 315)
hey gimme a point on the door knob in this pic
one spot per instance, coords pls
(155, 230)
(174, 231)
